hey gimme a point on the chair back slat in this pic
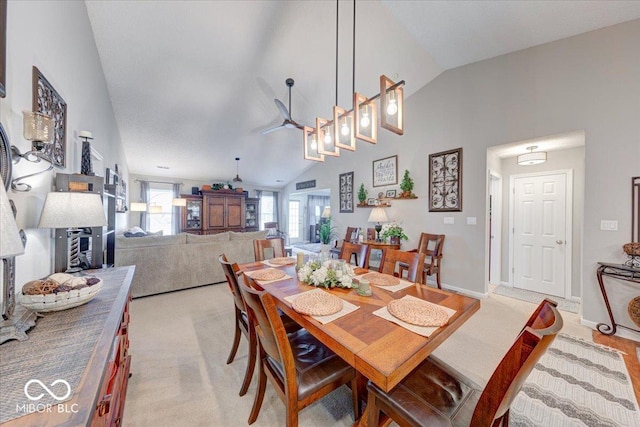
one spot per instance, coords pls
(268, 248)
(414, 260)
(231, 274)
(352, 234)
(361, 252)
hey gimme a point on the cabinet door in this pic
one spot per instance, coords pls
(235, 212)
(216, 212)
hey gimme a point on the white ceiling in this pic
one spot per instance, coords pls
(192, 83)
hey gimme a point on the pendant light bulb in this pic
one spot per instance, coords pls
(345, 128)
(392, 107)
(364, 120)
(314, 144)
(327, 138)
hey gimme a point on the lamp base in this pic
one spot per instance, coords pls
(378, 227)
(16, 327)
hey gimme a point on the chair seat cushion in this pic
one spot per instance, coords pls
(316, 365)
(433, 394)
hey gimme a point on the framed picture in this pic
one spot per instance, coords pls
(445, 181)
(3, 48)
(391, 194)
(385, 171)
(371, 202)
(346, 192)
(48, 101)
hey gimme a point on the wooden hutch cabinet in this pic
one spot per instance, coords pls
(218, 211)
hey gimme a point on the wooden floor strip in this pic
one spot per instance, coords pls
(630, 357)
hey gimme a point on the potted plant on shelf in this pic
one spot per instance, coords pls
(394, 232)
(407, 186)
(362, 195)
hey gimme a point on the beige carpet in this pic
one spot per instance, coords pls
(180, 342)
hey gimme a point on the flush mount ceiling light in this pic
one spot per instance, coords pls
(237, 178)
(532, 157)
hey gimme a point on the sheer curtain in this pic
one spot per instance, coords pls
(259, 196)
(144, 198)
(176, 217)
(276, 217)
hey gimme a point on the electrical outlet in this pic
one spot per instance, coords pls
(609, 225)
(449, 220)
(471, 220)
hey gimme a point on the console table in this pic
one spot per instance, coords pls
(618, 271)
(85, 347)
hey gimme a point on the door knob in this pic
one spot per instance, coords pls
(559, 242)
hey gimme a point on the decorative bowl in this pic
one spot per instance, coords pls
(61, 300)
(632, 249)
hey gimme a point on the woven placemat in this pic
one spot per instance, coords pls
(266, 274)
(317, 303)
(58, 347)
(634, 310)
(418, 312)
(282, 261)
(380, 279)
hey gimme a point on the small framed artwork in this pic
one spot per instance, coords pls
(391, 194)
(346, 192)
(371, 202)
(445, 181)
(48, 101)
(385, 171)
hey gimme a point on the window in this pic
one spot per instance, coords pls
(266, 208)
(160, 195)
(294, 219)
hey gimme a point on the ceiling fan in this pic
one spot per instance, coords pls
(288, 122)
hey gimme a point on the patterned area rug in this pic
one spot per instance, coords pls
(577, 383)
(536, 298)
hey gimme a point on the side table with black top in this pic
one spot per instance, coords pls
(622, 272)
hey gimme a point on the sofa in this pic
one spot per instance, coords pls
(170, 263)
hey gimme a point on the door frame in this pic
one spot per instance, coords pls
(568, 224)
(495, 245)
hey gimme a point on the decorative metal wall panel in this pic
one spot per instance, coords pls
(346, 192)
(48, 101)
(445, 181)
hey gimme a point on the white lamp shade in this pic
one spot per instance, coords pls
(378, 215)
(179, 202)
(532, 158)
(10, 241)
(70, 210)
(138, 207)
(326, 213)
(155, 209)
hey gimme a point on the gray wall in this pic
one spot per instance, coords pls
(588, 82)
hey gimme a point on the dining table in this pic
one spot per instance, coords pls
(380, 350)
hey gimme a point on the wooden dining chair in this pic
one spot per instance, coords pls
(371, 234)
(360, 252)
(350, 236)
(264, 249)
(242, 324)
(396, 262)
(301, 369)
(436, 394)
(431, 246)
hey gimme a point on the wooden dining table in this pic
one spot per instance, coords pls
(378, 349)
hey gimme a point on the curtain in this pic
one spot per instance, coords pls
(312, 203)
(144, 198)
(276, 210)
(175, 217)
(259, 196)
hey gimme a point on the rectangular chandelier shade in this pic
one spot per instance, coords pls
(311, 145)
(344, 128)
(366, 118)
(324, 138)
(391, 106)
(138, 207)
(72, 210)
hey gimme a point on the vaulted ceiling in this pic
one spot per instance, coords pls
(192, 83)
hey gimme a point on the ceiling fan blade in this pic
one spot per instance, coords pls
(283, 109)
(273, 129)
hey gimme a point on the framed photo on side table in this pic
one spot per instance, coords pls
(385, 171)
(445, 181)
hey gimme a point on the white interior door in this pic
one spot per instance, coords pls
(495, 227)
(540, 232)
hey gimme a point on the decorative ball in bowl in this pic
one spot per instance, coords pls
(632, 249)
(59, 291)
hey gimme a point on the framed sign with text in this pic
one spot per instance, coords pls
(385, 171)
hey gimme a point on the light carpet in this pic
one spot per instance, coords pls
(180, 342)
(536, 298)
(309, 247)
(577, 383)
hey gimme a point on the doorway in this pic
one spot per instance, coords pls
(541, 222)
(305, 210)
(495, 227)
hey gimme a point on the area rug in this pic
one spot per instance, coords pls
(536, 298)
(310, 247)
(577, 383)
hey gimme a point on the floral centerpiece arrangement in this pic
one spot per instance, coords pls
(393, 229)
(327, 274)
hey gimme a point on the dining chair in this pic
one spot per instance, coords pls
(371, 234)
(301, 369)
(350, 236)
(264, 249)
(436, 394)
(242, 324)
(360, 251)
(273, 232)
(431, 246)
(411, 262)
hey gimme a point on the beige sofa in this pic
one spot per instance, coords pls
(169, 263)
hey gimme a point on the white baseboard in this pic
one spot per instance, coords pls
(506, 284)
(479, 295)
(620, 332)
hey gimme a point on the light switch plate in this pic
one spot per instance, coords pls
(609, 225)
(471, 220)
(449, 220)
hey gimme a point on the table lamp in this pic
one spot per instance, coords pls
(378, 215)
(72, 211)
